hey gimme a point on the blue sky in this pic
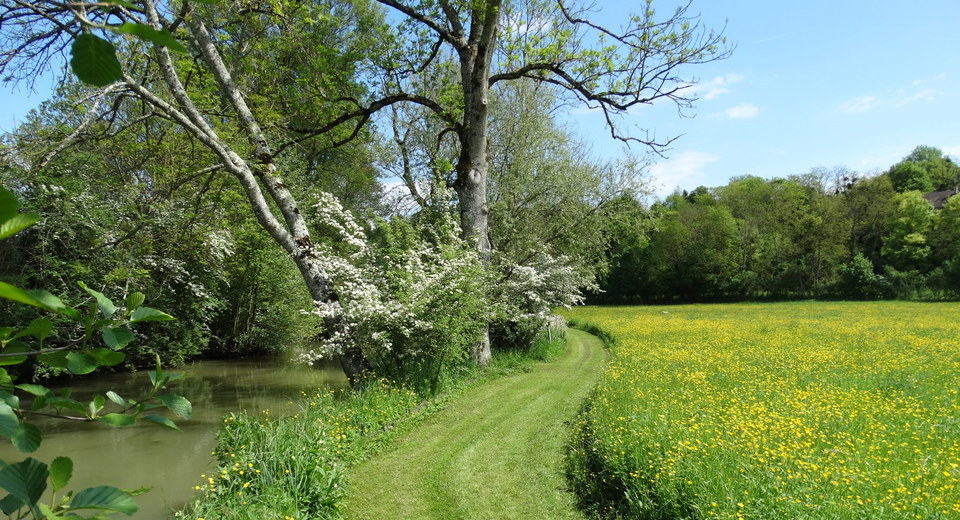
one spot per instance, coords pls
(811, 83)
(851, 83)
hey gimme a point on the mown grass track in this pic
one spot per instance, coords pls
(495, 452)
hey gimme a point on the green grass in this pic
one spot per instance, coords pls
(494, 451)
(804, 410)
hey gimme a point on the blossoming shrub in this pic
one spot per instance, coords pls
(526, 295)
(796, 410)
(411, 297)
(293, 467)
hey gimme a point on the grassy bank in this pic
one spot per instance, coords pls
(294, 467)
(795, 410)
(494, 452)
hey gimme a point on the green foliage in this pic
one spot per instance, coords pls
(857, 280)
(293, 467)
(102, 319)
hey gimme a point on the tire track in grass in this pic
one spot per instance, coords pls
(496, 452)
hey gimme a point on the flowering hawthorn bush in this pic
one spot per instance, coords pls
(411, 297)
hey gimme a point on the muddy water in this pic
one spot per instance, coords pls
(171, 462)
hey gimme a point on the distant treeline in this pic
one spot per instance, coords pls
(825, 234)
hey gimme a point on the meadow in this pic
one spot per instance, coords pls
(785, 410)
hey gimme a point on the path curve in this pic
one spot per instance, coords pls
(494, 452)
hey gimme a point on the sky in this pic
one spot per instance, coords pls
(813, 83)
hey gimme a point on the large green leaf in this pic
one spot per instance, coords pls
(14, 347)
(16, 223)
(6, 381)
(9, 422)
(40, 328)
(177, 404)
(80, 364)
(35, 389)
(94, 60)
(117, 337)
(56, 359)
(161, 420)
(149, 314)
(105, 304)
(9, 205)
(25, 480)
(38, 298)
(107, 358)
(61, 470)
(157, 36)
(27, 439)
(10, 504)
(134, 300)
(118, 419)
(103, 497)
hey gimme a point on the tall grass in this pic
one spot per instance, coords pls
(799, 410)
(293, 467)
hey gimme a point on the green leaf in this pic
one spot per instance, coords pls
(148, 33)
(118, 419)
(9, 205)
(61, 470)
(107, 358)
(115, 397)
(37, 298)
(35, 389)
(69, 404)
(9, 422)
(10, 504)
(12, 348)
(117, 337)
(40, 328)
(94, 60)
(6, 382)
(177, 404)
(105, 304)
(103, 497)
(56, 359)
(161, 420)
(11, 400)
(39, 403)
(27, 439)
(149, 314)
(25, 480)
(17, 223)
(80, 364)
(134, 300)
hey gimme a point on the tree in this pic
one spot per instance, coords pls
(925, 169)
(906, 245)
(492, 41)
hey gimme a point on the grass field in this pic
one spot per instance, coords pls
(767, 411)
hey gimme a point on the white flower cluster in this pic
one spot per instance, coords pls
(406, 300)
(534, 289)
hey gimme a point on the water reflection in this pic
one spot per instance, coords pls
(171, 462)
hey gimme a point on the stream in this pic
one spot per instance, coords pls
(171, 462)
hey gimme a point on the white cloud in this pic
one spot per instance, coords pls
(742, 111)
(716, 86)
(684, 170)
(859, 105)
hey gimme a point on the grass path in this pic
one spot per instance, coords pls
(495, 452)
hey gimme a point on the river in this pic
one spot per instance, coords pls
(171, 462)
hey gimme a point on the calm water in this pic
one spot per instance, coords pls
(168, 461)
